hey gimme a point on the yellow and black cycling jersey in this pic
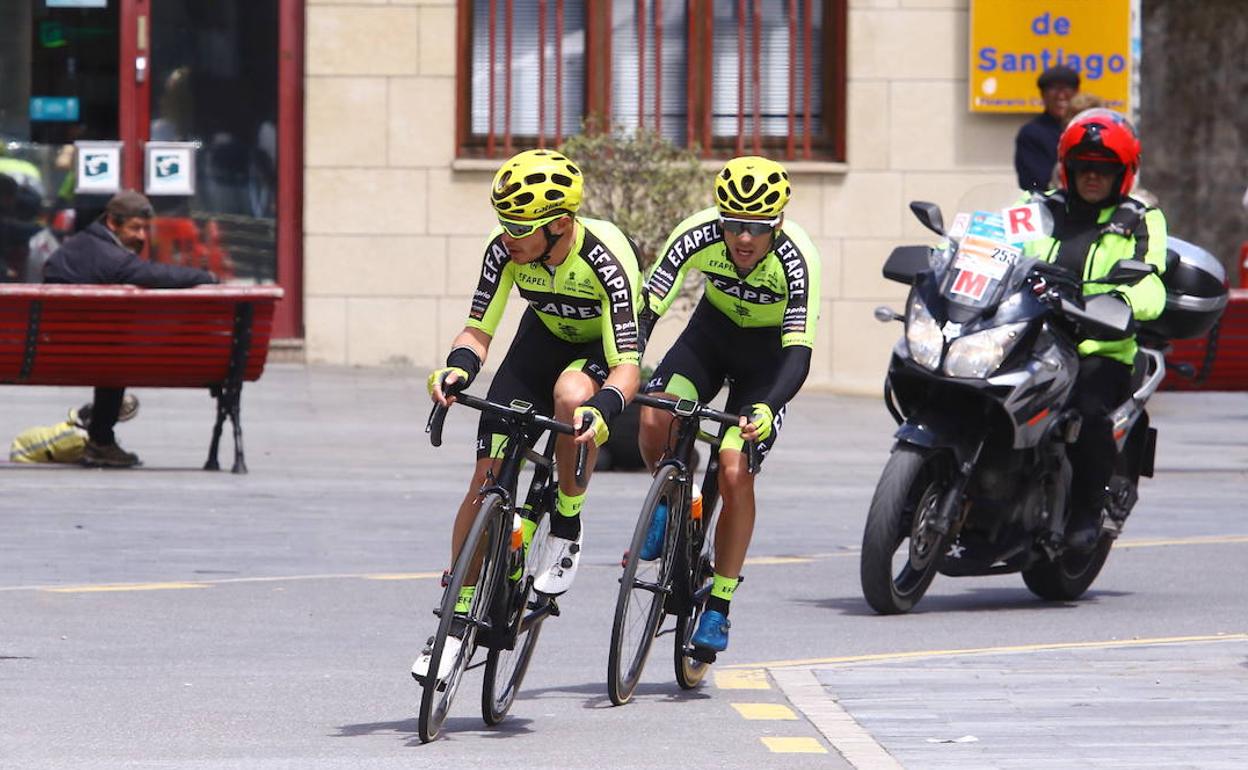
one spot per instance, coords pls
(593, 294)
(781, 291)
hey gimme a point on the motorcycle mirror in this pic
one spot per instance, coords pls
(906, 262)
(929, 215)
(884, 314)
(1128, 272)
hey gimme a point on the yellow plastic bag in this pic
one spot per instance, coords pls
(61, 443)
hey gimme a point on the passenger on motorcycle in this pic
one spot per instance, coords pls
(755, 328)
(1096, 223)
(575, 354)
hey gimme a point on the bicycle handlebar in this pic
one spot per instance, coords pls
(693, 409)
(437, 416)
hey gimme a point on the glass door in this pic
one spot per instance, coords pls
(213, 80)
(225, 76)
(58, 84)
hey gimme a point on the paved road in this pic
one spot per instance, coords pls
(167, 617)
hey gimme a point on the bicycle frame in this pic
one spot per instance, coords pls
(519, 416)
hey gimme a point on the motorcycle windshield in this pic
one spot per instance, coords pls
(978, 272)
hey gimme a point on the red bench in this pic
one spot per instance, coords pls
(214, 337)
(1227, 367)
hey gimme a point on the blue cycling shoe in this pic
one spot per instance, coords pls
(712, 631)
(653, 547)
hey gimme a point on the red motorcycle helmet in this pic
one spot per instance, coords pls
(1099, 135)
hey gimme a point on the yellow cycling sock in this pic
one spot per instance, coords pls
(722, 589)
(567, 524)
(464, 602)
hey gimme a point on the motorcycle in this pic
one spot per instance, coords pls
(978, 480)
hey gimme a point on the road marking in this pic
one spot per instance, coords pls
(224, 581)
(384, 576)
(891, 656)
(808, 696)
(780, 559)
(794, 745)
(739, 679)
(764, 710)
(404, 576)
(1205, 540)
(126, 587)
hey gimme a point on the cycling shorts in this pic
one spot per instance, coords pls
(713, 350)
(534, 362)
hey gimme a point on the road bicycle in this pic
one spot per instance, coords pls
(678, 580)
(506, 614)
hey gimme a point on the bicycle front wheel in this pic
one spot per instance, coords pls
(644, 588)
(505, 669)
(485, 539)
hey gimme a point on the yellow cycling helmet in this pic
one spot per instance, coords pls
(536, 184)
(752, 186)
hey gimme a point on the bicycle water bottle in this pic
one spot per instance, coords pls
(517, 532)
(695, 505)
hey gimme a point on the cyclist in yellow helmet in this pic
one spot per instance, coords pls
(754, 328)
(575, 354)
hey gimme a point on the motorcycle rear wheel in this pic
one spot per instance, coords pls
(1070, 576)
(907, 496)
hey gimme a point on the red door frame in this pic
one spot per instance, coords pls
(134, 96)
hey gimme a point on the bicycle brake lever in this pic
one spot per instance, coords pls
(434, 426)
(582, 457)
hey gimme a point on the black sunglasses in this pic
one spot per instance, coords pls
(755, 227)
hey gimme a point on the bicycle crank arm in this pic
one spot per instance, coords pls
(653, 588)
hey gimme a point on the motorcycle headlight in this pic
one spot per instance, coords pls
(923, 335)
(979, 354)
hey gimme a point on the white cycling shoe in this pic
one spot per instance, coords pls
(557, 565)
(450, 651)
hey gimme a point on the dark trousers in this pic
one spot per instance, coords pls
(104, 413)
(1101, 386)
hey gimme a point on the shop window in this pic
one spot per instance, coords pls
(730, 77)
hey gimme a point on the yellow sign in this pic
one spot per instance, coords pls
(1013, 41)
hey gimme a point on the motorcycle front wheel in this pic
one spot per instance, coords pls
(901, 551)
(1070, 575)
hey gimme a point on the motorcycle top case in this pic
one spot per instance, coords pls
(1196, 292)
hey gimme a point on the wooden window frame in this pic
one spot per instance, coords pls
(825, 142)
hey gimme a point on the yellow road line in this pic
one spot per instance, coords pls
(224, 581)
(764, 711)
(125, 587)
(893, 656)
(384, 576)
(779, 559)
(404, 576)
(794, 745)
(1204, 540)
(742, 679)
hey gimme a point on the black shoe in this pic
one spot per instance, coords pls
(108, 456)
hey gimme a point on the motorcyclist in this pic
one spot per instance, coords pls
(1096, 224)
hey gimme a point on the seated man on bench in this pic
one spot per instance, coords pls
(107, 252)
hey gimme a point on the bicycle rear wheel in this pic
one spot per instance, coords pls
(690, 671)
(644, 588)
(486, 532)
(505, 669)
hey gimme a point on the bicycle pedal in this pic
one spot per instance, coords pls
(702, 654)
(554, 608)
